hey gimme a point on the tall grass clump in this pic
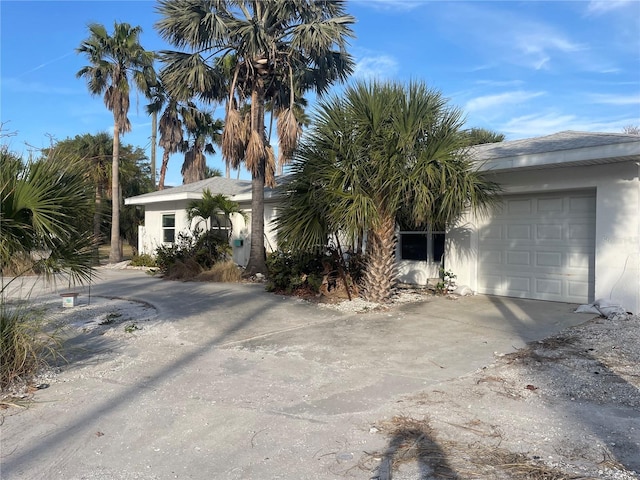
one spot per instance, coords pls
(44, 207)
(25, 344)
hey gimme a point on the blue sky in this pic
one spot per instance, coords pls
(520, 68)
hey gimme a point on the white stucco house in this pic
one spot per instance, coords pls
(165, 214)
(567, 229)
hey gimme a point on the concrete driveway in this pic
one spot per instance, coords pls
(232, 382)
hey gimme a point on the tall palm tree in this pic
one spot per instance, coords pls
(380, 151)
(203, 132)
(292, 42)
(117, 62)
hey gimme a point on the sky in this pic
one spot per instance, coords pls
(520, 68)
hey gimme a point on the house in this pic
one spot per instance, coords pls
(567, 228)
(165, 214)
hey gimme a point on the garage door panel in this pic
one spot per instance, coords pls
(540, 246)
(518, 283)
(549, 232)
(548, 259)
(549, 205)
(582, 204)
(519, 206)
(518, 258)
(518, 232)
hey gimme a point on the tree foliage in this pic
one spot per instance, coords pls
(246, 53)
(116, 63)
(378, 151)
(45, 204)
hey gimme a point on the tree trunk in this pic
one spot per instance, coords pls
(257, 255)
(154, 136)
(97, 214)
(115, 254)
(193, 168)
(380, 274)
(163, 169)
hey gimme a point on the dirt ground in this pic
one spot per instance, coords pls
(567, 407)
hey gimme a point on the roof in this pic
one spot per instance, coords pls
(561, 149)
(237, 190)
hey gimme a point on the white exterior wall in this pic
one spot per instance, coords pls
(153, 212)
(617, 242)
(150, 236)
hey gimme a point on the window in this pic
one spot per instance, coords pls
(422, 246)
(168, 228)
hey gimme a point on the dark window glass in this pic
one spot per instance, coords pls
(168, 221)
(438, 247)
(168, 228)
(413, 246)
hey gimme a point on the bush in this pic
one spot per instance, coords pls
(204, 250)
(144, 260)
(221, 272)
(313, 272)
(25, 345)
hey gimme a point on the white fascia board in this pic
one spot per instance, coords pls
(603, 153)
(169, 197)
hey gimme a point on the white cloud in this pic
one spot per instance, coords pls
(598, 7)
(382, 66)
(536, 125)
(610, 99)
(496, 101)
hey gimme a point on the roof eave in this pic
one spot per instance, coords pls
(580, 156)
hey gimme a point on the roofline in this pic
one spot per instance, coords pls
(180, 196)
(620, 152)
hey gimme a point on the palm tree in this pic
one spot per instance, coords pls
(208, 209)
(381, 151)
(116, 62)
(44, 207)
(291, 42)
(203, 132)
(479, 136)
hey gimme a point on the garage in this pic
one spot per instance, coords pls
(540, 246)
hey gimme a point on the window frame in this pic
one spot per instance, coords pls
(168, 228)
(434, 239)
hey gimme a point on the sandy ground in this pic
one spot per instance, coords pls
(567, 407)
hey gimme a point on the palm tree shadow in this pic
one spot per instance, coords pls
(413, 440)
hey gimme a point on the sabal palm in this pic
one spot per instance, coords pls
(117, 62)
(203, 132)
(292, 42)
(380, 150)
(44, 207)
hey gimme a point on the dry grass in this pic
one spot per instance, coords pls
(413, 440)
(187, 270)
(226, 272)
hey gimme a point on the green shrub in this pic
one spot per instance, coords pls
(305, 271)
(204, 250)
(144, 260)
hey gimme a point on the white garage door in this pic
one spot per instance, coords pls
(540, 246)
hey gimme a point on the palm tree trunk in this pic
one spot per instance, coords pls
(115, 253)
(163, 169)
(380, 274)
(257, 254)
(154, 136)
